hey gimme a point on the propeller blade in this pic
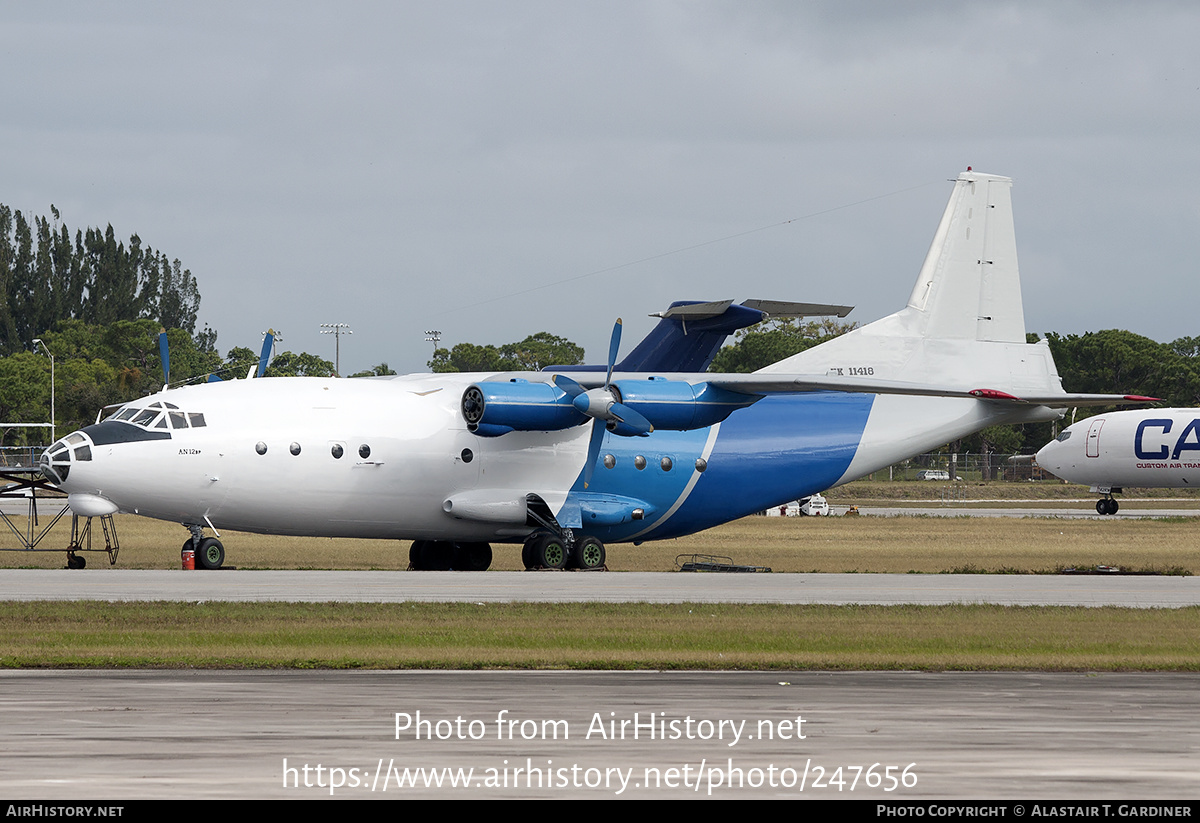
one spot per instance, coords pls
(593, 454)
(632, 419)
(613, 346)
(264, 358)
(164, 352)
(568, 386)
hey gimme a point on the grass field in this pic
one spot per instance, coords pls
(595, 636)
(826, 544)
(410, 635)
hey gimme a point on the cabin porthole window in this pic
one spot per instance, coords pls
(364, 451)
(639, 462)
(260, 447)
(666, 464)
(701, 464)
(609, 461)
(294, 448)
(337, 451)
(467, 455)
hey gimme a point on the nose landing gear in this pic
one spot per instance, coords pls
(210, 553)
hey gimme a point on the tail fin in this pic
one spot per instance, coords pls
(969, 287)
(964, 322)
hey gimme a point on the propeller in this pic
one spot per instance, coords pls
(265, 356)
(605, 408)
(164, 352)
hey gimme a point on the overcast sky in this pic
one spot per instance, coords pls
(497, 169)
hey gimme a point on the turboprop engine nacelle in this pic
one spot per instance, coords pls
(494, 409)
(676, 405)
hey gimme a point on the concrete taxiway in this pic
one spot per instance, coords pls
(608, 587)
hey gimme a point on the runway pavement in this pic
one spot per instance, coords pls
(608, 587)
(837, 735)
(1020, 508)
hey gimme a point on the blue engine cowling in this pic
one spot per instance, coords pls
(493, 409)
(676, 405)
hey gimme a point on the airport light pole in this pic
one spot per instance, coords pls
(36, 342)
(337, 330)
(434, 336)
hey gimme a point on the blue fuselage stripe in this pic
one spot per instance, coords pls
(781, 448)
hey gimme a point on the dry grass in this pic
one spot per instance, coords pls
(833, 544)
(595, 636)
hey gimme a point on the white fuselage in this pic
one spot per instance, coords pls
(1145, 448)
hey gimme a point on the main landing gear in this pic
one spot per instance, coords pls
(546, 550)
(1107, 505)
(445, 555)
(210, 553)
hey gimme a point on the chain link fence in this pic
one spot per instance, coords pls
(1014, 468)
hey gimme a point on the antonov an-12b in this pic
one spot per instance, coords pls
(565, 464)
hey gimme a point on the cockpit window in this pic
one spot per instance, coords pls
(162, 422)
(178, 420)
(125, 414)
(145, 417)
(1065, 436)
(196, 419)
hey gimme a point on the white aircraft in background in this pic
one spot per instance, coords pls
(1151, 448)
(564, 465)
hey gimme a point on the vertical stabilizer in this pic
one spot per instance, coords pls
(969, 287)
(964, 322)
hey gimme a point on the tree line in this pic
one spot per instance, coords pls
(98, 304)
(49, 276)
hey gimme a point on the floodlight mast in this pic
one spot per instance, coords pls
(337, 330)
(36, 342)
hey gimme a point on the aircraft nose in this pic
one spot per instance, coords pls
(56, 462)
(1054, 454)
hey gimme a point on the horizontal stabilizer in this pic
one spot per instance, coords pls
(689, 333)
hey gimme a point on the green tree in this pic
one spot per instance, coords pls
(466, 357)
(303, 364)
(769, 342)
(533, 353)
(382, 370)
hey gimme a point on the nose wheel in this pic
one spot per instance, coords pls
(1107, 505)
(210, 553)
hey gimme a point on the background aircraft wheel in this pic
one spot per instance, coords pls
(588, 553)
(549, 551)
(439, 555)
(527, 552)
(1113, 505)
(416, 555)
(472, 557)
(1101, 506)
(74, 561)
(432, 555)
(211, 554)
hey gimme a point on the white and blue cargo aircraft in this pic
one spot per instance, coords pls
(1153, 448)
(564, 464)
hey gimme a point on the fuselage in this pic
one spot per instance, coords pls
(1146, 448)
(393, 458)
